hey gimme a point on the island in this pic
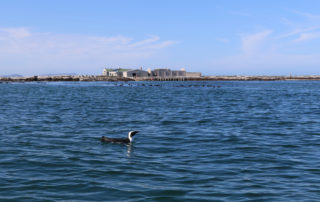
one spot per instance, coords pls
(162, 74)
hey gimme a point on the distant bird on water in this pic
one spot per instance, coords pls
(120, 140)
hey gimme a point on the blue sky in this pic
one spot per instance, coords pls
(213, 37)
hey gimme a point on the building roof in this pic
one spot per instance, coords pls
(141, 70)
(123, 70)
(166, 69)
(116, 70)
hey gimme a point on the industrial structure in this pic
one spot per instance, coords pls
(156, 73)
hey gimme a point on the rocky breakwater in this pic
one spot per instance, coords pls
(62, 78)
(261, 78)
(231, 78)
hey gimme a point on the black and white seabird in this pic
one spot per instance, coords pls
(120, 140)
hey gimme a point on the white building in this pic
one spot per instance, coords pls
(114, 72)
(193, 74)
(168, 73)
(106, 71)
(157, 73)
(135, 73)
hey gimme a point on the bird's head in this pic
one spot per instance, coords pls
(131, 134)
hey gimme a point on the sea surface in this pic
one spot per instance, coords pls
(198, 141)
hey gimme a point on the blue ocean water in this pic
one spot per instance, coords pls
(198, 141)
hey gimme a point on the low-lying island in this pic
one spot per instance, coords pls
(113, 79)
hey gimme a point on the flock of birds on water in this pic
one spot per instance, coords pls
(159, 85)
(152, 85)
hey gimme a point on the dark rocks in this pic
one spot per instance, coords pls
(63, 78)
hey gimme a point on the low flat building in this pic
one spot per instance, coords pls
(193, 74)
(135, 73)
(114, 72)
(156, 73)
(168, 73)
(178, 73)
(106, 71)
(161, 73)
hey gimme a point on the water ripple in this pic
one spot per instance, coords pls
(243, 141)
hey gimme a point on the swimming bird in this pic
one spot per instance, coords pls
(120, 140)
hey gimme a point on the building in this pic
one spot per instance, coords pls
(106, 71)
(193, 74)
(178, 73)
(156, 73)
(114, 72)
(136, 73)
(162, 73)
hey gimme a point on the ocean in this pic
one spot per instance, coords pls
(198, 141)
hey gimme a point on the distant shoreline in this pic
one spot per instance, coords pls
(115, 79)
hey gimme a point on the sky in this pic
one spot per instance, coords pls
(227, 37)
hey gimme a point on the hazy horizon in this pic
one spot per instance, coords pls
(211, 37)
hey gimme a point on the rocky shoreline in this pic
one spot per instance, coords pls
(114, 79)
(62, 78)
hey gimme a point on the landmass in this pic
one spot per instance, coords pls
(116, 78)
(160, 74)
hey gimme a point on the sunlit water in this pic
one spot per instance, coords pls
(239, 141)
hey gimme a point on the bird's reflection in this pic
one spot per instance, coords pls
(129, 150)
